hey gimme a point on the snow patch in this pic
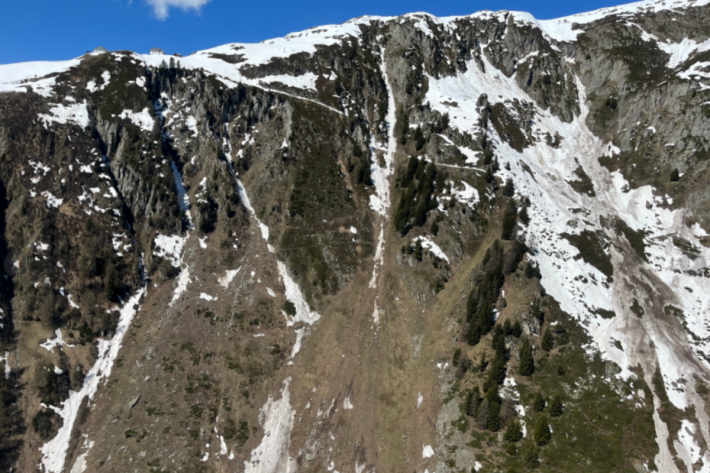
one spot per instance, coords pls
(347, 404)
(170, 247)
(6, 359)
(228, 277)
(73, 113)
(57, 342)
(182, 281)
(469, 194)
(143, 119)
(427, 452)
(52, 201)
(276, 419)
(432, 247)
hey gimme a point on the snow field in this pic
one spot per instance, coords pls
(580, 288)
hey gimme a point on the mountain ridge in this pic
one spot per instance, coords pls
(320, 234)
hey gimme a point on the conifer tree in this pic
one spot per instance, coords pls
(473, 401)
(489, 175)
(404, 120)
(473, 336)
(494, 417)
(538, 404)
(483, 364)
(537, 311)
(495, 165)
(507, 327)
(418, 250)
(509, 188)
(412, 167)
(509, 220)
(524, 217)
(498, 340)
(483, 414)
(494, 402)
(530, 270)
(435, 228)
(498, 370)
(530, 456)
(527, 363)
(548, 342)
(457, 356)
(517, 329)
(542, 431)
(111, 282)
(513, 432)
(419, 139)
(675, 175)
(556, 408)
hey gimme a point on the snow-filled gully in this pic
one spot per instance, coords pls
(276, 418)
(380, 202)
(54, 452)
(655, 340)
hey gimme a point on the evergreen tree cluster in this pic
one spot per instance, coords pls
(420, 183)
(482, 300)
(485, 410)
(510, 218)
(489, 411)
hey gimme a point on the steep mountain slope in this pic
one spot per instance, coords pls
(373, 246)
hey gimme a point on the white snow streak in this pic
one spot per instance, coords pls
(272, 454)
(381, 176)
(54, 452)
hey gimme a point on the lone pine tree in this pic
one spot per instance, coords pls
(556, 407)
(513, 433)
(548, 342)
(543, 434)
(538, 403)
(527, 363)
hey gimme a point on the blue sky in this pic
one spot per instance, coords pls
(62, 29)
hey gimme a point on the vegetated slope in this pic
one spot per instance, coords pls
(441, 244)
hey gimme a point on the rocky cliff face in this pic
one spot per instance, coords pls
(366, 247)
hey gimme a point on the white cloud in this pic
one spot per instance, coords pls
(161, 7)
